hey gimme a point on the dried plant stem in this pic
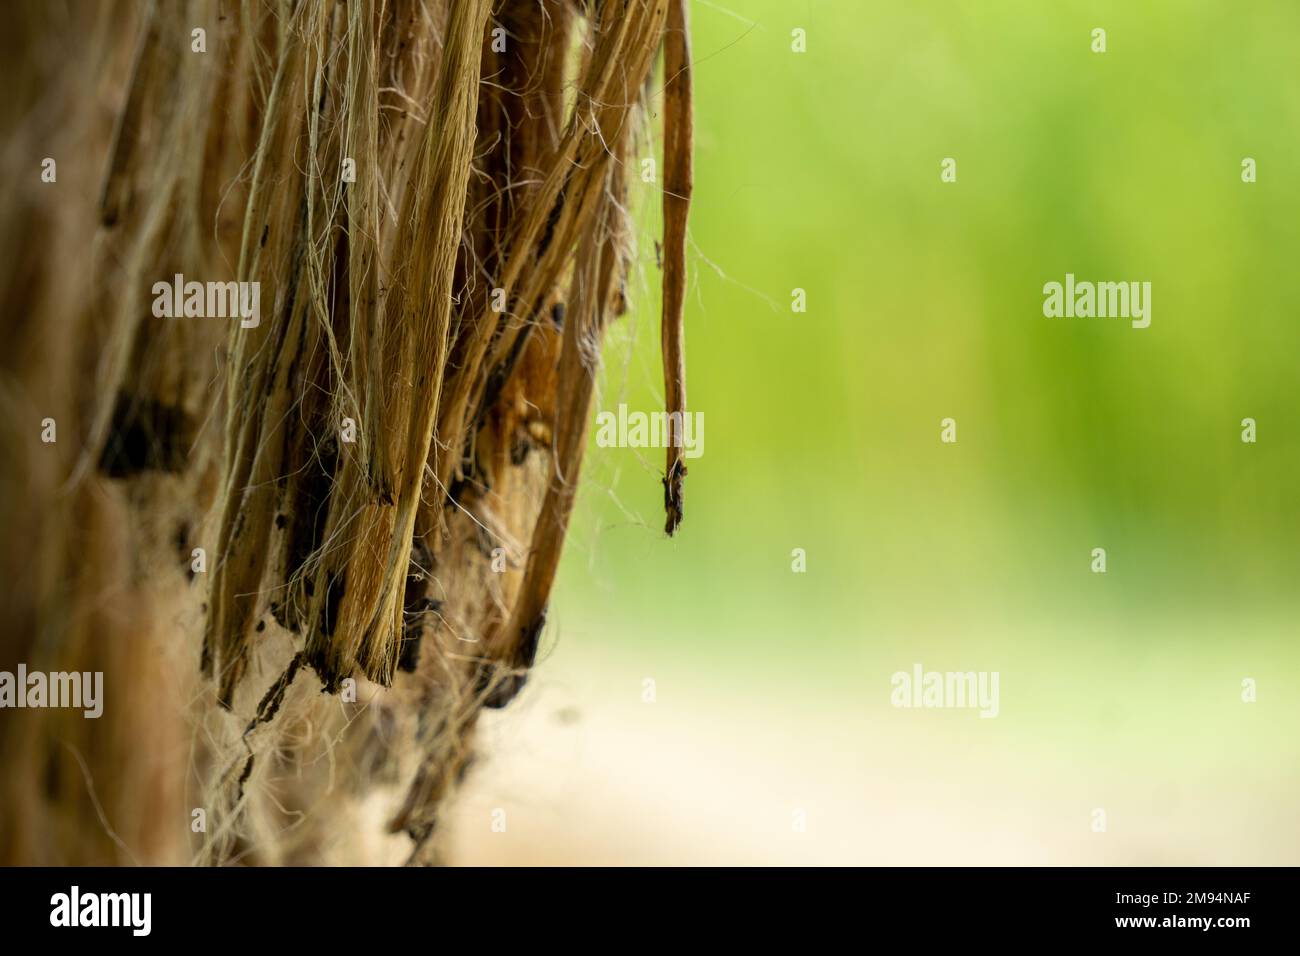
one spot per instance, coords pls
(679, 148)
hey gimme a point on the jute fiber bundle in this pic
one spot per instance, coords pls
(307, 546)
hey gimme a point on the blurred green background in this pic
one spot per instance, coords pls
(1119, 691)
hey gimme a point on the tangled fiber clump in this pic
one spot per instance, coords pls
(366, 493)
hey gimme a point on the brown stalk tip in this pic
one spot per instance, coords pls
(529, 638)
(673, 482)
(504, 691)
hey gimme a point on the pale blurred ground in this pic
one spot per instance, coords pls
(713, 772)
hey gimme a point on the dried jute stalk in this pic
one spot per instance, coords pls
(307, 542)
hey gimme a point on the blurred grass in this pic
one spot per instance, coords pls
(820, 171)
